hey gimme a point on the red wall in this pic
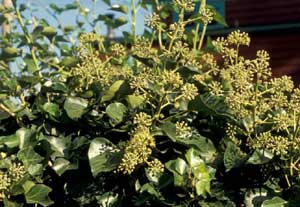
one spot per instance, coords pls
(283, 45)
(254, 12)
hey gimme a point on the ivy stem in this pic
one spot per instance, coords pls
(180, 21)
(133, 19)
(196, 37)
(28, 38)
(4, 108)
(203, 5)
(202, 36)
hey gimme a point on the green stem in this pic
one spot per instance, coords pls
(202, 37)
(28, 38)
(133, 19)
(180, 21)
(196, 37)
(160, 38)
(255, 105)
(4, 108)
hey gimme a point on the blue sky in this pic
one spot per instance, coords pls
(39, 9)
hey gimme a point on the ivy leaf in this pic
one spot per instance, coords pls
(170, 130)
(8, 203)
(202, 174)
(75, 107)
(69, 61)
(61, 165)
(274, 202)
(116, 111)
(260, 157)
(11, 141)
(108, 199)
(119, 22)
(203, 145)
(233, 156)
(26, 137)
(101, 158)
(193, 158)
(37, 194)
(119, 8)
(135, 101)
(59, 144)
(179, 169)
(211, 105)
(51, 108)
(111, 92)
(218, 17)
(29, 157)
(49, 32)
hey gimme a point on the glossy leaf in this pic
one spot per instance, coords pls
(29, 157)
(116, 112)
(26, 137)
(260, 157)
(204, 179)
(51, 108)
(135, 101)
(111, 92)
(233, 157)
(37, 194)
(119, 8)
(103, 156)
(75, 107)
(10, 141)
(274, 202)
(193, 158)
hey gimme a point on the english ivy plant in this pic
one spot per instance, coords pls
(148, 120)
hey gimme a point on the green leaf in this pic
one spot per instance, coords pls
(274, 202)
(8, 203)
(218, 17)
(69, 61)
(170, 130)
(119, 22)
(179, 169)
(260, 157)
(26, 137)
(35, 170)
(75, 107)
(30, 64)
(203, 145)
(135, 101)
(12, 105)
(116, 112)
(111, 92)
(202, 174)
(37, 194)
(10, 52)
(119, 8)
(51, 108)
(173, 164)
(210, 105)
(193, 158)
(233, 156)
(49, 32)
(29, 157)
(150, 189)
(108, 199)
(103, 156)
(61, 165)
(59, 144)
(11, 141)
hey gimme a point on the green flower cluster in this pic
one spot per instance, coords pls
(137, 150)
(9, 177)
